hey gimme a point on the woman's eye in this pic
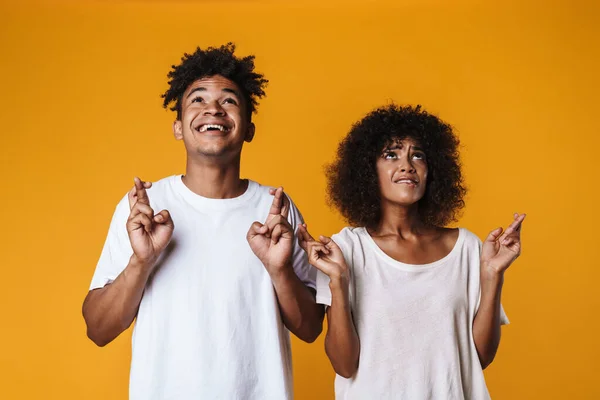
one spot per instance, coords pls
(419, 156)
(197, 99)
(390, 155)
(230, 101)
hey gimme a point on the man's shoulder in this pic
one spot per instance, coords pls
(164, 184)
(157, 193)
(162, 188)
(263, 192)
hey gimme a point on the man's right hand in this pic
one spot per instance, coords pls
(149, 234)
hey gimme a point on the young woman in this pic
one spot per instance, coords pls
(413, 307)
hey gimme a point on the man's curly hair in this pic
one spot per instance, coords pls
(352, 178)
(210, 62)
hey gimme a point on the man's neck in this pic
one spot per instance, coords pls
(213, 180)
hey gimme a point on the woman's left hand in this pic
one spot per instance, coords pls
(501, 249)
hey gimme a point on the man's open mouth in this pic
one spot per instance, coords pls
(212, 127)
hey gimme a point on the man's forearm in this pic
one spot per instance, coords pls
(299, 310)
(486, 327)
(110, 310)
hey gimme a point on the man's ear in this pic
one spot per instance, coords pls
(250, 132)
(178, 130)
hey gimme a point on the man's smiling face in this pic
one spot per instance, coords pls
(214, 120)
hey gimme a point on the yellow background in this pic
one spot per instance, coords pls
(81, 115)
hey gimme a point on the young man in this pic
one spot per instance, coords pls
(212, 290)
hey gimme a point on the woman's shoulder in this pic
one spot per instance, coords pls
(348, 236)
(349, 233)
(469, 237)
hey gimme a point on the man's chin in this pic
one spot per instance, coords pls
(211, 153)
(215, 153)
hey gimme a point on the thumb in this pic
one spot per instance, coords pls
(256, 229)
(164, 218)
(328, 242)
(494, 235)
(131, 197)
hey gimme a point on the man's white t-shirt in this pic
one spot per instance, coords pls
(414, 322)
(209, 325)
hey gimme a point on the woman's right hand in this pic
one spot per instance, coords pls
(324, 254)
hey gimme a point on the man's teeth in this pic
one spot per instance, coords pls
(204, 128)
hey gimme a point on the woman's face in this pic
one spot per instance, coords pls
(402, 172)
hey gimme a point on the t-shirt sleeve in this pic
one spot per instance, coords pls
(503, 318)
(323, 290)
(305, 272)
(117, 248)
